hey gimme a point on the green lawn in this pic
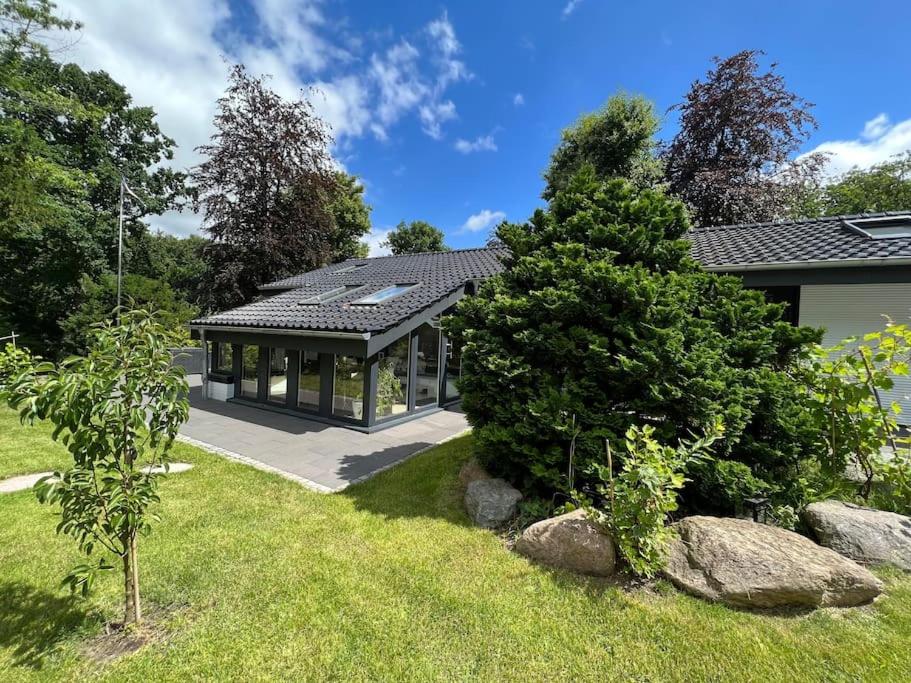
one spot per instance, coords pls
(263, 579)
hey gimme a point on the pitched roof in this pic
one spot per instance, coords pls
(817, 242)
(436, 274)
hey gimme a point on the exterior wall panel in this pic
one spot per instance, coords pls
(853, 310)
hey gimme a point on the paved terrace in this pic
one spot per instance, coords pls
(320, 456)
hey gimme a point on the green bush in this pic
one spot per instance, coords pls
(601, 314)
(640, 497)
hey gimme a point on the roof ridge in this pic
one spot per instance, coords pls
(425, 253)
(798, 221)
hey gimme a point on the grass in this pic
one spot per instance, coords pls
(261, 579)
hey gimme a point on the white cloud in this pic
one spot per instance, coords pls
(434, 114)
(483, 220)
(451, 69)
(875, 127)
(176, 57)
(484, 143)
(878, 141)
(518, 99)
(373, 240)
(570, 7)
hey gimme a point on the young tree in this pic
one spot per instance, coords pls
(731, 161)
(602, 321)
(265, 188)
(351, 216)
(117, 410)
(618, 141)
(415, 237)
(882, 187)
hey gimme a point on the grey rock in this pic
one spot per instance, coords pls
(745, 564)
(491, 502)
(571, 541)
(863, 534)
(472, 471)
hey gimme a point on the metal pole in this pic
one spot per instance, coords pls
(120, 249)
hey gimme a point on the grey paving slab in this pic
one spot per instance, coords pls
(323, 457)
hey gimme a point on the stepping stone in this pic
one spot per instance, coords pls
(173, 468)
(27, 481)
(22, 482)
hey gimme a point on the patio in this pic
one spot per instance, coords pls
(320, 456)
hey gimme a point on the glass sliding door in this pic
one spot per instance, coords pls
(249, 382)
(453, 372)
(309, 381)
(392, 380)
(278, 375)
(348, 387)
(427, 381)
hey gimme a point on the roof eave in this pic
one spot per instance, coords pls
(801, 265)
(284, 331)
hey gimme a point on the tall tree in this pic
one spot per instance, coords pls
(66, 137)
(351, 215)
(601, 321)
(265, 188)
(176, 261)
(732, 161)
(882, 187)
(415, 237)
(618, 141)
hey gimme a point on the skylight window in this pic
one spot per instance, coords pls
(349, 269)
(886, 227)
(331, 295)
(385, 294)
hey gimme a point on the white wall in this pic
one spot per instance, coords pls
(854, 310)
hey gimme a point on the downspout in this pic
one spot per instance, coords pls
(205, 363)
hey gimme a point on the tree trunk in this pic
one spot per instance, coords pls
(132, 613)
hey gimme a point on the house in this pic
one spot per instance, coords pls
(842, 273)
(356, 343)
(359, 343)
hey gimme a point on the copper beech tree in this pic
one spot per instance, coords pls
(117, 410)
(732, 161)
(264, 187)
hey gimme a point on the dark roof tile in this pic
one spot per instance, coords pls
(438, 274)
(802, 242)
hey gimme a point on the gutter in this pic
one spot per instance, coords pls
(801, 265)
(284, 332)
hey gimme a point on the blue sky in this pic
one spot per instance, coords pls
(449, 111)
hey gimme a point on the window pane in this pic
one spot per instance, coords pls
(308, 384)
(453, 371)
(249, 381)
(428, 340)
(348, 387)
(384, 294)
(278, 375)
(392, 380)
(224, 358)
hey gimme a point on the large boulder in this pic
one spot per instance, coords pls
(863, 534)
(491, 502)
(571, 541)
(472, 471)
(746, 564)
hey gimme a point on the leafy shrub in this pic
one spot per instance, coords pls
(895, 474)
(855, 424)
(602, 315)
(640, 497)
